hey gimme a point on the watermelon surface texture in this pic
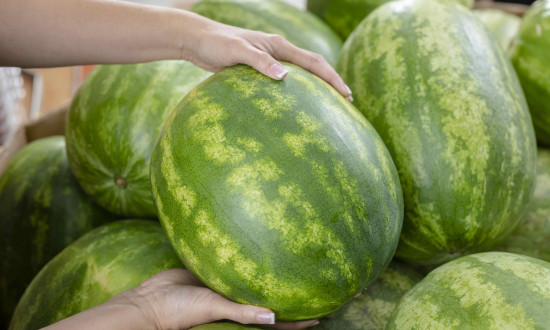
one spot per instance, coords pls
(277, 193)
(373, 308)
(275, 16)
(446, 101)
(492, 290)
(114, 121)
(532, 236)
(42, 210)
(103, 263)
(532, 63)
(503, 26)
(343, 16)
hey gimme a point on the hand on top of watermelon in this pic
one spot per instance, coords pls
(61, 33)
(172, 299)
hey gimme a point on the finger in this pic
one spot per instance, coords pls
(245, 314)
(313, 62)
(173, 276)
(263, 62)
(294, 325)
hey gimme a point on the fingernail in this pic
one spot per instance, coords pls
(350, 98)
(278, 70)
(348, 90)
(266, 318)
(314, 324)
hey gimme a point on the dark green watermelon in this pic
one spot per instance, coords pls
(42, 210)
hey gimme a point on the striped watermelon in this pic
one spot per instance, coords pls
(492, 290)
(114, 121)
(343, 16)
(532, 236)
(503, 26)
(103, 263)
(42, 210)
(532, 64)
(277, 193)
(274, 16)
(373, 308)
(446, 101)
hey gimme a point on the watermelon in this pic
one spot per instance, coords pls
(101, 264)
(446, 101)
(373, 308)
(532, 236)
(502, 25)
(42, 210)
(532, 64)
(491, 290)
(277, 193)
(113, 123)
(274, 16)
(343, 16)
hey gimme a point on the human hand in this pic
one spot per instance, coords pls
(176, 299)
(219, 45)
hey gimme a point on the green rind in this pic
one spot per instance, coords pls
(42, 210)
(532, 64)
(343, 16)
(373, 308)
(274, 16)
(277, 193)
(113, 124)
(446, 101)
(493, 290)
(532, 236)
(103, 263)
(502, 25)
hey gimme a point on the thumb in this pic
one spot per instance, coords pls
(245, 314)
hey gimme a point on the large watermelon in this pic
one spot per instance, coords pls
(492, 290)
(42, 210)
(530, 56)
(503, 26)
(274, 16)
(373, 308)
(343, 16)
(114, 121)
(446, 101)
(103, 263)
(277, 193)
(532, 236)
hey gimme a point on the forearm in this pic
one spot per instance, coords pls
(38, 33)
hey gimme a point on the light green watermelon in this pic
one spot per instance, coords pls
(42, 210)
(503, 26)
(532, 236)
(343, 16)
(446, 101)
(103, 263)
(114, 121)
(277, 193)
(275, 16)
(492, 290)
(373, 308)
(530, 56)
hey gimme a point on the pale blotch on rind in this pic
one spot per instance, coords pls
(421, 313)
(535, 276)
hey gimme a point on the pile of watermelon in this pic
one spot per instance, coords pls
(424, 204)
